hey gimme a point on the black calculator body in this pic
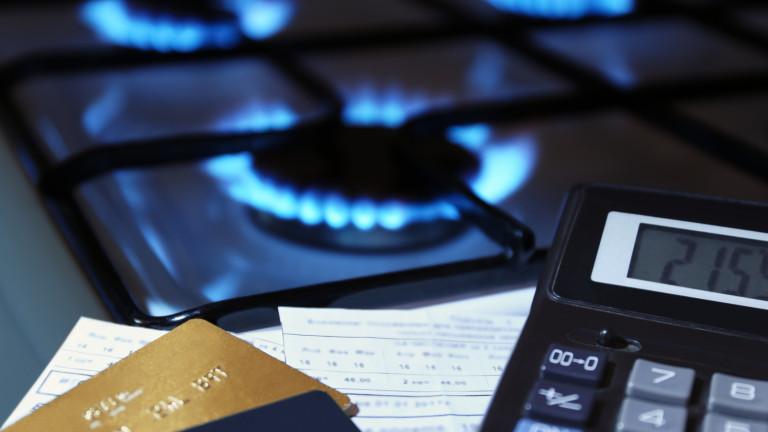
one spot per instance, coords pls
(652, 315)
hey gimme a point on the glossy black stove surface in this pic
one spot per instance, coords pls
(144, 130)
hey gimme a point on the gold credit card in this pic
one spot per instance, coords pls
(195, 374)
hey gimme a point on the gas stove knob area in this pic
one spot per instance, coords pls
(648, 317)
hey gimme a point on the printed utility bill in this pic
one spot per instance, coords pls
(407, 370)
(429, 369)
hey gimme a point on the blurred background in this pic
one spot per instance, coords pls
(169, 159)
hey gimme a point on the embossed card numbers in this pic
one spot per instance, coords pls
(193, 375)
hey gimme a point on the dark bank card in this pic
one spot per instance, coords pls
(313, 411)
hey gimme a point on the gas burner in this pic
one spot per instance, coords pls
(565, 9)
(352, 188)
(168, 25)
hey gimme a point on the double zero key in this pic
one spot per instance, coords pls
(574, 365)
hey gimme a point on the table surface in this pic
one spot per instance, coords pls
(42, 290)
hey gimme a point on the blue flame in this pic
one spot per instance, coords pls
(504, 168)
(472, 137)
(259, 117)
(390, 107)
(316, 207)
(115, 22)
(262, 19)
(505, 164)
(565, 9)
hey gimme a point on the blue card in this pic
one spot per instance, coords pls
(313, 411)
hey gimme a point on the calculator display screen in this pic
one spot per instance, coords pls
(684, 258)
(700, 260)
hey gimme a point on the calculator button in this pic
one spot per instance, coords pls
(721, 423)
(576, 365)
(642, 416)
(564, 402)
(738, 396)
(660, 382)
(528, 425)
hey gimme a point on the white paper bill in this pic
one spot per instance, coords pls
(410, 370)
(449, 392)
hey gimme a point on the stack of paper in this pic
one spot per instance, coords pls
(416, 370)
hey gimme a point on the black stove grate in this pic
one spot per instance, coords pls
(653, 103)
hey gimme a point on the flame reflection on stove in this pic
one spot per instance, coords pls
(255, 117)
(115, 22)
(504, 168)
(157, 307)
(565, 9)
(102, 111)
(388, 107)
(258, 117)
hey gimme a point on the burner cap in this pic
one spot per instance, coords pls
(372, 165)
(366, 162)
(206, 10)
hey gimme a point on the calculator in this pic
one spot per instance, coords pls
(651, 316)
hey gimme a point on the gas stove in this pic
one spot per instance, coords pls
(216, 159)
